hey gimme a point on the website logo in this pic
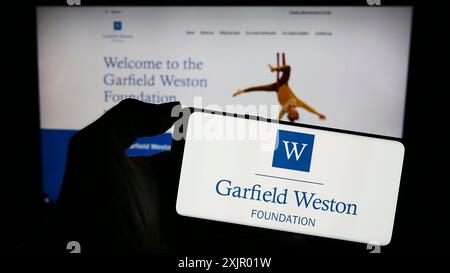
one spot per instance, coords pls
(117, 34)
(293, 151)
(117, 25)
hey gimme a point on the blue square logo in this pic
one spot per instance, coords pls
(117, 25)
(293, 151)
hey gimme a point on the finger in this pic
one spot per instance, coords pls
(130, 119)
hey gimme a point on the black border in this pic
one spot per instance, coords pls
(276, 3)
(426, 119)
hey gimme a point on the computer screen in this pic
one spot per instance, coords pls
(345, 66)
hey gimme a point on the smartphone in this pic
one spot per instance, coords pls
(289, 177)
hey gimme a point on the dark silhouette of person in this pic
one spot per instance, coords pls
(286, 97)
(110, 202)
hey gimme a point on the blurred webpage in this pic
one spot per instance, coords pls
(349, 63)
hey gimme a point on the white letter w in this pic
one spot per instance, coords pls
(294, 149)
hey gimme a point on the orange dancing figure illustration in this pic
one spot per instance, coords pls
(288, 100)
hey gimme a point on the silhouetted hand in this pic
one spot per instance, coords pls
(110, 201)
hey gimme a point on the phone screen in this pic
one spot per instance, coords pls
(290, 177)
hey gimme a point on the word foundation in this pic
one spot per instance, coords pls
(283, 218)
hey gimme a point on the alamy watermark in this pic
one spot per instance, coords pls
(225, 125)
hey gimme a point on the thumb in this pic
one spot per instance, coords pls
(131, 119)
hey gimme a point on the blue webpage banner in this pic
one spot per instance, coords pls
(54, 146)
